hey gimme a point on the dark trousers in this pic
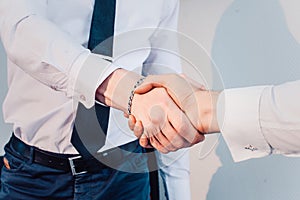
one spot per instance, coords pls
(28, 180)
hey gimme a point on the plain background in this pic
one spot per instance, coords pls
(251, 42)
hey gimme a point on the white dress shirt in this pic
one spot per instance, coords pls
(50, 69)
(261, 120)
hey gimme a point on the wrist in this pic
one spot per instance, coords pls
(207, 118)
(138, 83)
(116, 89)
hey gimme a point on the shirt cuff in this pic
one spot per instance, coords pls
(88, 72)
(238, 119)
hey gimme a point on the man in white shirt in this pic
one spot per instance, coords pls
(255, 121)
(50, 71)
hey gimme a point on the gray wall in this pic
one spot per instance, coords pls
(5, 129)
(252, 42)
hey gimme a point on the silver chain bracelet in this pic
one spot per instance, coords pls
(137, 84)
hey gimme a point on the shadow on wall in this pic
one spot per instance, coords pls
(253, 46)
(5, 129)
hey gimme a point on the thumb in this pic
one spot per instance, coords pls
(144, 88)
(150, 82)
(138, 129)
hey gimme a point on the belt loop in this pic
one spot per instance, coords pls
(31, 156)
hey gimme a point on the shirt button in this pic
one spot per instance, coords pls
(82, 97)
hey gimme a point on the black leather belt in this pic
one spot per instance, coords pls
(70, 162)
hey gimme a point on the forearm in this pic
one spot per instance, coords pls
(116, 89)
(206, 112)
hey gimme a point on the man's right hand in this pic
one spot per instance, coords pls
(198, 104)
(164, 123)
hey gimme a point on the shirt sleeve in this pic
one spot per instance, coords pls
(45, 52)
(258, 121)
(238, 118)
(280, 118)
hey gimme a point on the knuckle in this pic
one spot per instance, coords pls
(170, 147)
(173, 149)
(178, 143)
(198, 138)
(201, 138)
(164, 151)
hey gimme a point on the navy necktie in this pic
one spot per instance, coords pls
(85, 137)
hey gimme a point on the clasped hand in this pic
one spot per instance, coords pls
(165, 112)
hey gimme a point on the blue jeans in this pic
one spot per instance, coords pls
(28, 181)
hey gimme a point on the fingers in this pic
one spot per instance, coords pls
(174, 140)
(157, 145)
(138, 129)
(166, 140)
(149, 83)
(161, 123)
(198, 138)
(131, 122)
(181, 124)
(144, 142)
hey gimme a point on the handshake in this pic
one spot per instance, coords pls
(170, 112)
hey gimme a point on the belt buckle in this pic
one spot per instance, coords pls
(72, 165)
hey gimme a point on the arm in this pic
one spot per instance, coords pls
(159, 114)
(255, 121)
(47, 53)
(271, 125)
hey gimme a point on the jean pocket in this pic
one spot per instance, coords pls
(12, 163)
